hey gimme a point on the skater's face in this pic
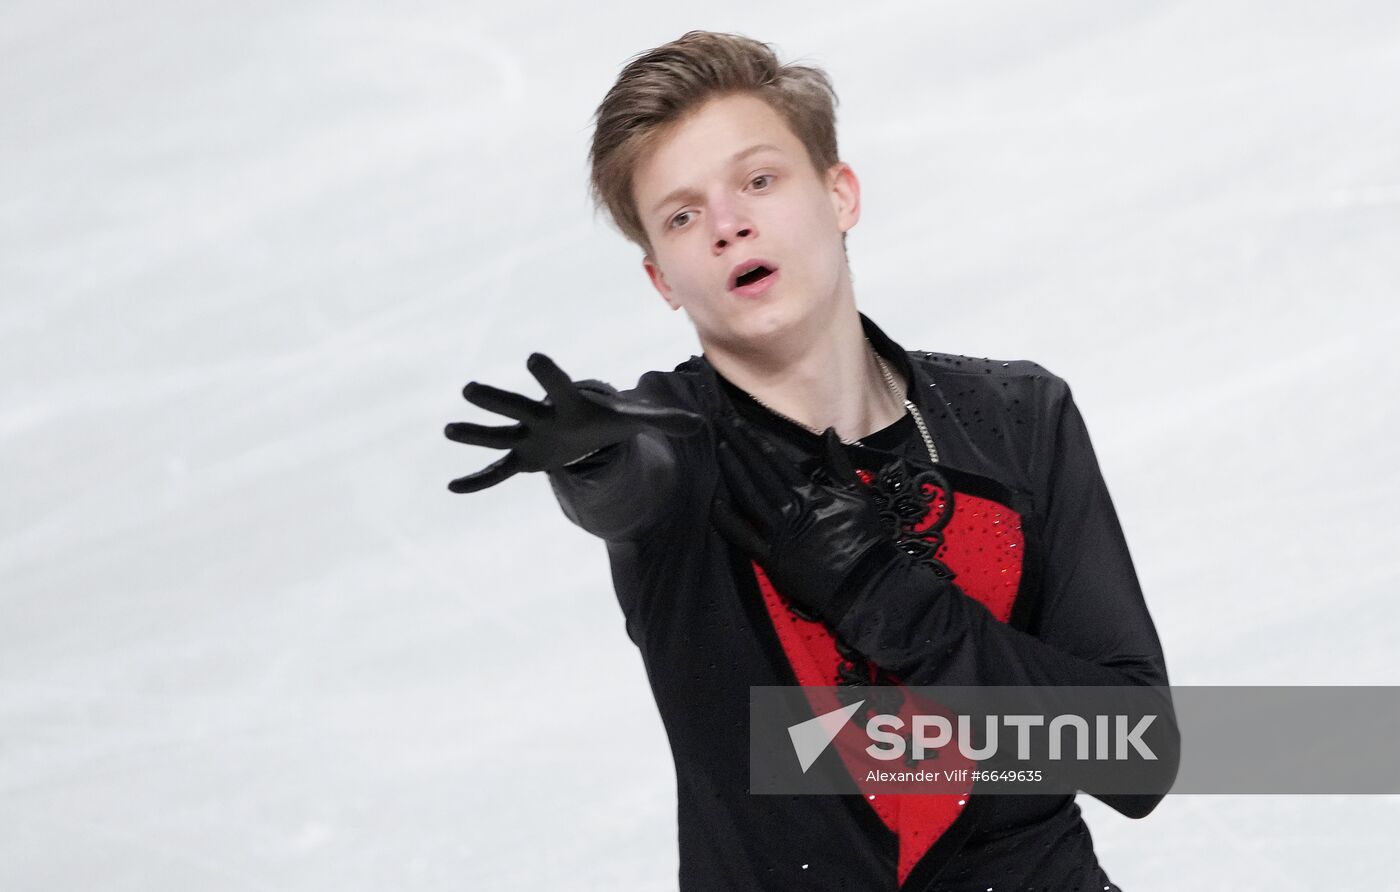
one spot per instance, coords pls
(730, 183)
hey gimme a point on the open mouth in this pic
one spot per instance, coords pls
(752, 276)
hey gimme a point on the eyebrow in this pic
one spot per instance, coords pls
(686, 192)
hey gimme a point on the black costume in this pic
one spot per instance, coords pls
(1047, 595)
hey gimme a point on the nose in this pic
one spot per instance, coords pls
(731, 222)
(722, 241)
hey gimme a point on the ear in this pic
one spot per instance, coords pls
(658, 281)
(844, 189)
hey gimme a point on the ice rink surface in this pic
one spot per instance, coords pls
(250, 254)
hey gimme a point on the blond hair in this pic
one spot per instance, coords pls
(658, 87)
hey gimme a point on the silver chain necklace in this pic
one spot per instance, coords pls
(909, 406)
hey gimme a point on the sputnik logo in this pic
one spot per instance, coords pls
(811, 738)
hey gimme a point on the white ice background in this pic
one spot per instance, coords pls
(249, 254)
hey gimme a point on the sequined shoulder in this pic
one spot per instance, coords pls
(959, 364)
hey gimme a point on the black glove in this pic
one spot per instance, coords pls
(574, 420)
(817, 541)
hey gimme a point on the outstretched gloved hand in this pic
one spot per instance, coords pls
(818, 542)
(574, 420)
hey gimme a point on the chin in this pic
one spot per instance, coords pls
(762, 323)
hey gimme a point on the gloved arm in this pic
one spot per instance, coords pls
(629, 489)
(821, 545)
(608, 455)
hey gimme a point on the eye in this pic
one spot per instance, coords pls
(679, 219)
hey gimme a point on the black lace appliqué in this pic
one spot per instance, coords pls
(904, 502)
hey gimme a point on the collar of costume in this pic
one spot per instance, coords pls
(751, 410)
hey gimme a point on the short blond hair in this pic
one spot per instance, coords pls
(658, 87)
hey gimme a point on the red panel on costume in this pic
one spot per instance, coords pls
(983, 545)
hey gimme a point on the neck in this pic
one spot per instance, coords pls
(825, 377)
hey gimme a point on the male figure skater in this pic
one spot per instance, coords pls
(808, 503)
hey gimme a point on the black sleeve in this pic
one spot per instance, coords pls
(1093, 626)
(629, 489)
